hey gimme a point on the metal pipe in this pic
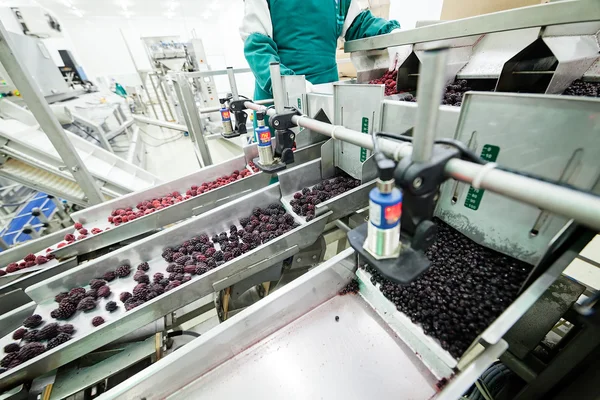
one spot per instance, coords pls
(194, 122)
(232, 83)
(133, 146)
(342, 226)
(160, 104)
(277, 87)
(209, 110)
(580, 206)
(18, 73)
(163, 124)
(215, 73)
(429, 92)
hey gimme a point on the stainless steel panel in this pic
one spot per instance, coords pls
(17, 253)
(357, 107)
(28, 280)
(120, 323)
(536, 134)
(320, 102)
(10, 321)
(593, 74)
(555, 13)
(399, 116)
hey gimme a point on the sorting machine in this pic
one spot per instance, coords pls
(519, 177)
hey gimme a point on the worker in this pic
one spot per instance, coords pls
(302, 36)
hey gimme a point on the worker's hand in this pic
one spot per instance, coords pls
(309, 87)
(393, 54)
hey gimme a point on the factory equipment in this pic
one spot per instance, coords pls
(508, 223)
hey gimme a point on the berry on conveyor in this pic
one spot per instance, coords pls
(124, 296)
(164, 282)
(61, 296)
(77, 290)
(12, 348)
(2, 272)
(33, 321)
(158, 277)
(29, 257)
(141, 289)
(176, 276)
(111, 306)
(97, 321)
(91, 293)
(97, 283)
(62, 338)
(39, 260)
(78, 225)
(32, 336)
(19, 333)
(141, 277)
(157, 288)
(123, 271)
(581, 88)
(132, 303)
(12, 267)
(143, 266)
(190, 269)
(65, 310)
(109, 276)
(69, 237)
(49, 331)
(86, 304)
(172, 285)
(66, 328)
(304, 201)
(351, 287)
(8, 359)
(31, 350)
(104, 292)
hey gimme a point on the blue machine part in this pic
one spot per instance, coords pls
(263, 134)
(225, 115)
(385, 209)
(13, 232)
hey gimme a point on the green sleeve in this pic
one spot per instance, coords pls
(366, 25)
(260, 51)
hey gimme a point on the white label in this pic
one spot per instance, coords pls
(375, 214)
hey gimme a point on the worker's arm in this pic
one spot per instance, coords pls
(360, 23)
(259, 48)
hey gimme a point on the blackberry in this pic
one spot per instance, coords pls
(183, 250)
(97, 283)
(158, 289)
(244, 248)
(61, 296)
(58, 340)
(97, 321)
(65, 310)
(203, 238)
(232, 229)
(198, 247)
(8, 359)
(2, 370)
(123, 271)
(188, 263)
(132, 303)
(158, 277)
(297, 195)
(235, 252)
(111, 306)
(104, 292)
(264, 219)
(164, 282)
(211, 263)
(186, 278)
(201, 258)
(150, 295)
(86, 304)
(244, 222)
(140, 290)
(91, 293)
(124, 296)
(49, 331)
(220, 263)
(66, 328)
(222, 236)
(31, 336)
(171, 268)
(190, 269)
(297, 210)
(143, 266)
(210, 252)
(351, 287)
(33, 322)
(218, 256)
(109, 276)
(77, 290)
(201, 269)
(182, 260)
(257, 211)
(141, 277)
(12, 348)
(75, 298)
(310, 217)
(215, 238)
(175, 277)
(19, 333)
(172, 285)
(227, 256)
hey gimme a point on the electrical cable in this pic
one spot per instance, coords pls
(169, 140)
(86, 132)
(182, 333)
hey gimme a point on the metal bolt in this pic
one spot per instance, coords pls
(418, 182)
(314, 257)
(276, 122)
(292, 137)
(299, 259)
(75, 168)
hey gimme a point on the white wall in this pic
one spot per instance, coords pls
(408, 12)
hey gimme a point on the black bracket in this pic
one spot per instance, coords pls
(283, 120)
(238, 105)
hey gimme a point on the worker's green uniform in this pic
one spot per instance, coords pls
(304, 38)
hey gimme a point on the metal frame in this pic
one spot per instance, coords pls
(41, 110)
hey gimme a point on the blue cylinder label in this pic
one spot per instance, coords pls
(225, 115)
(264, 136)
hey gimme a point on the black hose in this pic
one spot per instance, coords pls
(182, 333)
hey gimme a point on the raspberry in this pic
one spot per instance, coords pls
(57, 341)
(19, 333)
(61, 296)
(86, 304)
(123, 271)
(97, 283)
(49, 331)
(158, 277)
(39, 260)
(172, 285)
(83, 232)
(31, 336)
(91, 293)
(104, 292)
(12, 267)
(297, 195)
(67, 328)
(109, 276)
(78, 225)
(111, 306)
(141, 277)
(97, 321)
(69, 237)
(143, 267)
(32, 322)
(124, 296)
(29, 257)
(12, 348)
(29, 264)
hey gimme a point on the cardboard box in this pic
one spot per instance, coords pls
(457, 9)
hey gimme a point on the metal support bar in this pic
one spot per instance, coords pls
(209, 110)
(163, 124)
(215, 72)
(99, 131)
(429, 91)
(232, 83)
(162, 108)
(41, 110)
(162, 90)
(192, 119)
(580, 206)
(277, 87)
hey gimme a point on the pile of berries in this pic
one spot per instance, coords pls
(581, 88)
(307, 199)
(352, 287)
(467, 287)
(80, 233)
(146, 207)
(30, 260)
(32, 341)
(453, 93)
(389, 80)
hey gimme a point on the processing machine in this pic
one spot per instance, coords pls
(454, 226)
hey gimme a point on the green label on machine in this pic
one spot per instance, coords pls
(488, 153)
(299, 104)
(365, 129)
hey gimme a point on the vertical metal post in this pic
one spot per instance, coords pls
(160, 103)
(429, 93)
(232, 83)
(162, 90)
(41, 111)
(192, 119)
(277, 87)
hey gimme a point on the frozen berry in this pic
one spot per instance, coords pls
(31, 350)
(33, 321)
(49, 331)
(97, 321)
(97, 283)
(66, 328)
(62, 338)
(61, 296)
(19, 333)
(86, 304)
(158, 277)
(143, 266)
(109, 276)
(124, 296)
(123, 271)
(31, 336)
(39, 260)
(12, 348)
(111, 306)
(104, 292)
(91, 293)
